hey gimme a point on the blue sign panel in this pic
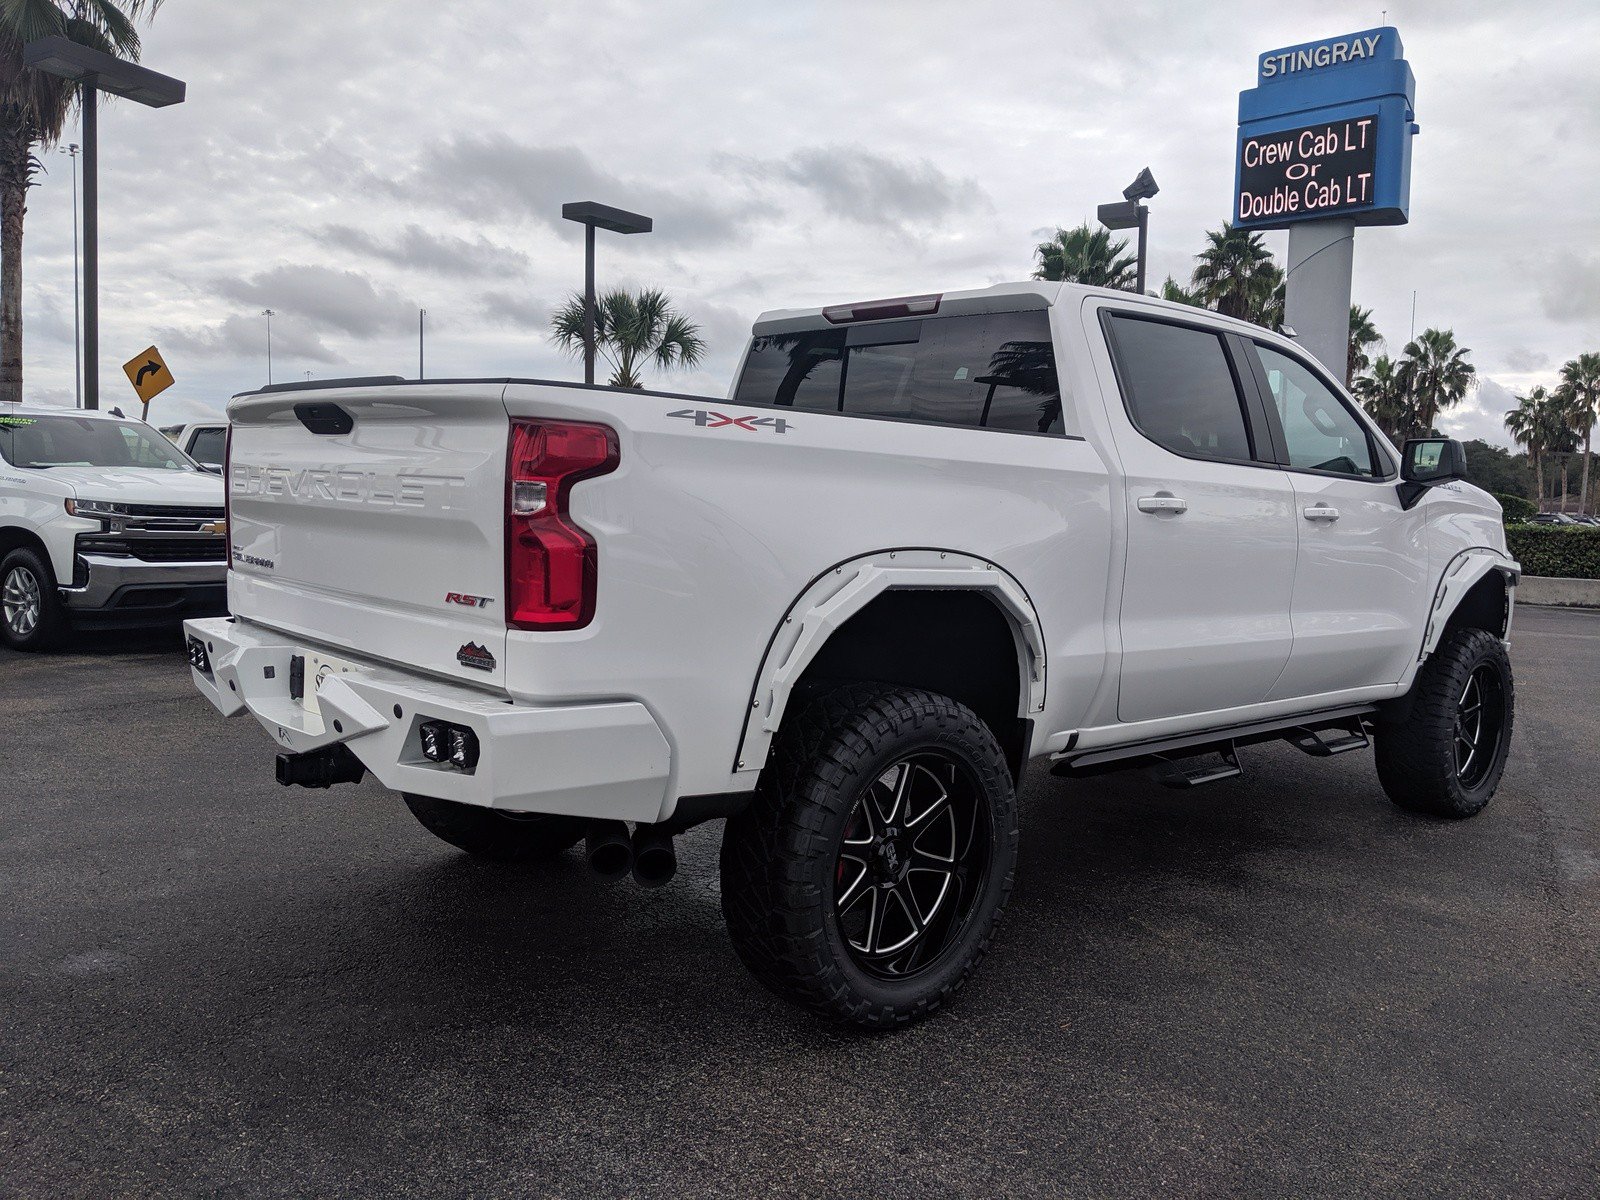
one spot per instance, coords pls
(1326, 132)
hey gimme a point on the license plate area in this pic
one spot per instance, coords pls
(307, 674)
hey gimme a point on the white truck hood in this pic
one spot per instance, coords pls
(140, 485)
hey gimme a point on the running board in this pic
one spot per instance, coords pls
(1304, 731)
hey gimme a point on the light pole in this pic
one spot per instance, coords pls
(77, 319)
(421, 315)
(591, 216)
(96, 72)
(1130, 214)
(269, 314)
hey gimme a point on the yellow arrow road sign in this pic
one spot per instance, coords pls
(148, 373)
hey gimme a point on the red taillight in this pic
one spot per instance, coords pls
(551, 561)
(227, 495)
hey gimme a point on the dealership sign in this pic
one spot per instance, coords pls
(1327, 133)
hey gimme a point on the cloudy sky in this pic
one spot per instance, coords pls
(346, 163)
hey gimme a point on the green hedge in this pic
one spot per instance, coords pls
(1562, 551)
(1516, 508)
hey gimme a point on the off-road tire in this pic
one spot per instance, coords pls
(497, 836)
(780, 856)
(1417, 754)
(50, 625)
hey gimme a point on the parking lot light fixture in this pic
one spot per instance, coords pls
(592, 216)
(94, 72)
(1129, 213)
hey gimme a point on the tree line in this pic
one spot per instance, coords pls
(1236, 275)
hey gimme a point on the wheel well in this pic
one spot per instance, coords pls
(957, 643)
(11, 538)
(1486, 605)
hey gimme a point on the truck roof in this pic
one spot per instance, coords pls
(999, 297)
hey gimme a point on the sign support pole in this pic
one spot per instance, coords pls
(1317, 300)
(89, 99)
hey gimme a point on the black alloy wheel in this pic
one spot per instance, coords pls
(911, 862)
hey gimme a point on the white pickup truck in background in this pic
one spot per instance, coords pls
(924, 542)
(102, 523)
(203, 441)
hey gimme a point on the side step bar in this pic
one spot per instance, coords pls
(1336, 731)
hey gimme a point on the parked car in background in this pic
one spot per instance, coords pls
(203, 441)
(102, 522)
(1554, 519)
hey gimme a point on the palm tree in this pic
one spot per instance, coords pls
(1579, 397)
(630, 330)
(1236, 275)
(1436, 374)
(1526, 423)
(1363, 334)
(1383, 394)
(33, 108)
(1085, 255)
(1174, 291)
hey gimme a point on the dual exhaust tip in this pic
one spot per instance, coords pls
(647, 854)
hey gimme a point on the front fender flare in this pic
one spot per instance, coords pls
(1463, 573)
(842, 591)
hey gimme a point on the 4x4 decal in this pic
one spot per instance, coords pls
(706, 419)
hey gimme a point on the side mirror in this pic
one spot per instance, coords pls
(211, 468)
(1428, 461)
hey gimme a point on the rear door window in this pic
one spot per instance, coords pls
(1179, 388)
(993, 371)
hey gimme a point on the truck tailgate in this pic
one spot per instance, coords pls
(373, 520)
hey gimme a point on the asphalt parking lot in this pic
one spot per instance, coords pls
(1275, 986)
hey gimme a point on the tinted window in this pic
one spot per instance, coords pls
(996, 370)
(1321, 433)
(1180, 390)
(206, 446)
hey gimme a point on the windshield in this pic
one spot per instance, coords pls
(42, 442)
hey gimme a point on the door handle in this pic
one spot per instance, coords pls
(1320, 512)
(1163, 502)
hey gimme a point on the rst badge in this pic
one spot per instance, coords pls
(468, 601)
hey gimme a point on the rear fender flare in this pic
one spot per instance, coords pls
(843, 591)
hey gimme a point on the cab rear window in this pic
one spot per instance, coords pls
(990, 371)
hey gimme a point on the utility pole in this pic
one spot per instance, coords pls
(269, 314)
(421, 315)
(90, 101)
(77, 291)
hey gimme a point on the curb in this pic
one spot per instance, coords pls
(1545, 590)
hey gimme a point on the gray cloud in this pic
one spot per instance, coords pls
(873, 189)
(1571, 290)
(417, 249)
(1525, 361)
(493, 175)
(346, 301)
(516, 311)
(242, 339)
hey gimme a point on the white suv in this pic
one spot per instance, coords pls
(924, 542)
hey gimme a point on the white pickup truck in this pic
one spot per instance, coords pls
(102, 522)
(924, 542)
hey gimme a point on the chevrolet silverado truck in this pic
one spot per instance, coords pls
(103, 522)
(923, 542)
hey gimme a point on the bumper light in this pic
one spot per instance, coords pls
(445, 743)
(198, 658)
